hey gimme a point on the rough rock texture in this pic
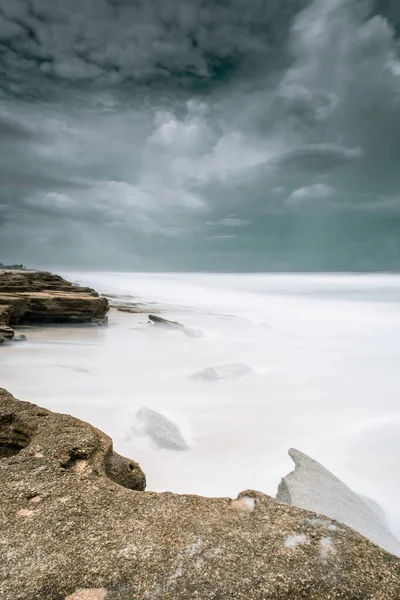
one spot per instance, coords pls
(70, 531)
(313, 487)
(6, 332)
(32, 296)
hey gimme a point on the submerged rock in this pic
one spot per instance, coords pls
(156, 320)
(163, 432)
(126, 304)
(313, 487)
(72, 527)
(132, 308)
(229, 371)
(160, 321)
(19, 338)
(35, 296)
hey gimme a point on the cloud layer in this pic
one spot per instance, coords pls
(200, 135)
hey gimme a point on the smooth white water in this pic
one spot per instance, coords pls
(325, 350)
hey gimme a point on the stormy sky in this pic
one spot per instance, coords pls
(200, 134)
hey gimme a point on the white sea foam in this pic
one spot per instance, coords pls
(324, 350)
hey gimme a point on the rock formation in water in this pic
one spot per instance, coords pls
(35, 296)
(75, 525)
(313, 487)
(160, 321)
(163, 432)
(229, 371)
(132, 308)
(126, 303)
(155, 320)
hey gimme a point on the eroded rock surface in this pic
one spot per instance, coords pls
(313, 487)
(35, 296)
(70, 530)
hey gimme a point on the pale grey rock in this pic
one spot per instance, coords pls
(314, 488)
(19, 338)
(228, 371)
(163, 432)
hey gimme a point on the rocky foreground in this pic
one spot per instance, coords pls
(75, 524)
(35, 296)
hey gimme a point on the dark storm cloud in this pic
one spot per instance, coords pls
(139, 40)
(200, 134)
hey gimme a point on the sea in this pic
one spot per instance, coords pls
(266, 362)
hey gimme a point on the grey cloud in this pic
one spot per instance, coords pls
(142, 40)
(264, 133)
(13, 131)
(317, 191)
(318, 157)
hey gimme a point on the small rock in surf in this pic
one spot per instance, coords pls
(163, 432)
(229, 371)
(160, 321)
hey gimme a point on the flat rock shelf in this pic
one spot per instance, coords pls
(40, 297)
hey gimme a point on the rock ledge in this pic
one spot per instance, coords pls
(74, 524)
(35, 296)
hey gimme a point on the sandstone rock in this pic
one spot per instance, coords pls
(163, 432)
(313, 487)
(6, 332)
(34, 296)
(39, 281)
(5, 313)
(70, 530)
(12, 307)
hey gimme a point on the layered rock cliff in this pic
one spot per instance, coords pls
(35, 296)
(75, 524)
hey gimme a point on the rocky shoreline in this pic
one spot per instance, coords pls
(38, 297)
(75, 524)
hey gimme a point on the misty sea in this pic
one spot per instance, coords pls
(306, 361)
